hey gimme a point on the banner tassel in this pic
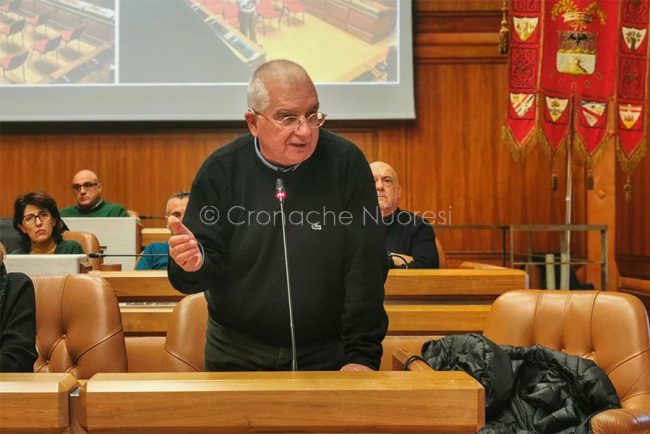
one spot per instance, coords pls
(628, 189)
(590, 176)
(504, 33)
(554, 181)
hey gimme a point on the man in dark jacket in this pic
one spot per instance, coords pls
(410, 240)
(17, 321)
(231, 239)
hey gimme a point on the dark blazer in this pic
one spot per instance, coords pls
(17, 324)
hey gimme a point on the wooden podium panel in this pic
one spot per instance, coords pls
(145, 285)
(377, 401)
(35, 402)
(452, 282)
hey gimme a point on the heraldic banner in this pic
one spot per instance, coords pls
(632, 82)
(571, 64)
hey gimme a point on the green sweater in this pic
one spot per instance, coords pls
(104, 209)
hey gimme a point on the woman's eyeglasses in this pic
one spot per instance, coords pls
(30, 219)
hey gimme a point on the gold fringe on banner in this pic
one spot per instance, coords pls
(546, 145)
(630, 164)
(551, 154)
(517, 151)
(580, 150)
(504, 33)
(583, 156)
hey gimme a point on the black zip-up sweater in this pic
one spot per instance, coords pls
(17, 323)
(335, 248)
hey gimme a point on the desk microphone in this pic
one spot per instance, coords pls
(280, 194)
(97, 255)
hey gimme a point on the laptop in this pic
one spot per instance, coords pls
(44, 265)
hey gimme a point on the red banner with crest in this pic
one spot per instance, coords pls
(579, 66)
(525, 52)
(632, 83)
(573, 64)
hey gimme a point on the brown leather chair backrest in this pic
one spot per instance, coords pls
(185, 341)
(78, 326)
(88, 242)
(610, 328)
(442, 258)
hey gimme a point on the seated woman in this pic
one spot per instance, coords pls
(39, 223)
(17, 321)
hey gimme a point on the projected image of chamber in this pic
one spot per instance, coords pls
(187, 60)
(222, 41)
(57, 41)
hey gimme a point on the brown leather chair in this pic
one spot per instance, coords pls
(185, 342)
(610, 328)
(78, 326)
(442, 258)
(88, 242)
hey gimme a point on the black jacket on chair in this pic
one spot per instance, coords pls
(539, 391)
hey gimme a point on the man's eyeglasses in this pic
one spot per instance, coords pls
(314, 120)
(85, 185)
(30, 219)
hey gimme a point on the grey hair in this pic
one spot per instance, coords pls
(180, 195)
(285, 71)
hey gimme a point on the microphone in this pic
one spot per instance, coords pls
(97, 255)
(281, 195)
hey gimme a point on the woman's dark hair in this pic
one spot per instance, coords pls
(42, 200)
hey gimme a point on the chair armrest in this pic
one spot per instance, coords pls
(621, 421)
(400, 357)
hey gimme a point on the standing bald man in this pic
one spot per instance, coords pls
(88, 193)
(410, 240)
(230, 241)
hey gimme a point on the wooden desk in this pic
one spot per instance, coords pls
(425, 401)
(35, 402)
(153, 319)
(149, 285)
(417, 301)
(422, 286)
(453, 283)
(154, 235)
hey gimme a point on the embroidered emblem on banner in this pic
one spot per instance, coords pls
(633, 38)
(593, 112)
(556, 107)
(576, 54)
(522, 102)
(630, 115)
(525, 26)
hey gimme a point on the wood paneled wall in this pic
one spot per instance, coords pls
(451, 159)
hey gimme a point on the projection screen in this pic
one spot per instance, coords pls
(89, 60)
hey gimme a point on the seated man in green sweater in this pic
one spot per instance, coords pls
(88, 192)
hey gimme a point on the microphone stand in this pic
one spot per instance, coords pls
(281, 194)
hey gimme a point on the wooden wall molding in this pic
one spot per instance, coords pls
(451, 157)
